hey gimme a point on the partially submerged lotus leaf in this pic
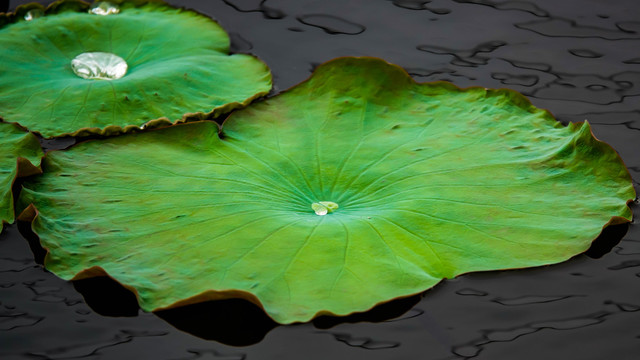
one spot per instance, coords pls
(74, 69)
(20, 155)
(353, 188)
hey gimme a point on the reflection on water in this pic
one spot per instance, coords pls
(332, 24)
(577, 59)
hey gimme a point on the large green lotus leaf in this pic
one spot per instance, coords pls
(430, 181)
(20, 155)
(178, 68)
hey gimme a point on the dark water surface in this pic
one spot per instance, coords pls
(580, 59)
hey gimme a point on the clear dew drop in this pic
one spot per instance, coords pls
(323, 207)
(104, 8)
(99, 66)
(33, 14)
(319, 209)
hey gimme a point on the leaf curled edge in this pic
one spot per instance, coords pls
(20, 156)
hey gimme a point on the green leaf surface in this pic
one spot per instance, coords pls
(355, 187)
(178, 69)
(20, 153)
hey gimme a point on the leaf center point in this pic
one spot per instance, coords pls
(324, 207)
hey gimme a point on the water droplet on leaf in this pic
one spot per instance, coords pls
(99, 65)
(324, 207)
(33, 14)
(104, 8)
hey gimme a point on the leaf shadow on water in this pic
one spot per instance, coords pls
(380, 313)
(608, 238)
(234, 322)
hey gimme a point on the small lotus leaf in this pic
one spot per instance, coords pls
(20, 154)
(356, 187)
(177, 68)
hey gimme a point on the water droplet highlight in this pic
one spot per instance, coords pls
(99, 66)
(104, 8)
(33, 14)
(323, 207)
